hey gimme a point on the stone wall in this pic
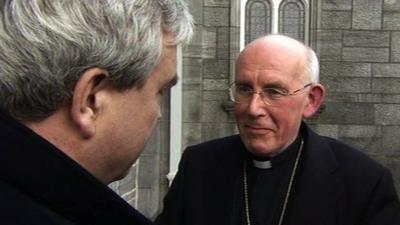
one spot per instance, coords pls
(206, 73)
(358, 46)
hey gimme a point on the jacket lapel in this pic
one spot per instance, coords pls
(315, 194)
(223, 186)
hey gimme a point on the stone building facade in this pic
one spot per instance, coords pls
(358, 44)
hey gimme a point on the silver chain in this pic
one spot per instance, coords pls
(245, 188)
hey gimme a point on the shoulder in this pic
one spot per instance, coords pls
(348, 160)
(352, 157)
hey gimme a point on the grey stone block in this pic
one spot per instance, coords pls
(215, 84)
(191, 134)
(336, 20)
(387, 114)
(369, 98)
(130, 196)
(336, 5)
(220, 3)
(395, 47)
(216, 130)
(386, 70)
(386, 85)
(367, 145)
(360, 131)
(391, 140)
(353, 97)
(223, 43)
(114, 186)
(391, 98)
(216, 69)
(128, 184)
(147, 171)
(391, 20)
(329, 45)
(165, 108)
(192, 70)
(191, 87)
(332, 96)
(366, 39)
(328, 130)
(216, 17)
(220, 96)
(191, 109)
(196, 9)
(152, 147)
(348, 113)
(367, 14)
(347, 84)
(391, 5)
(366, 54)
(203, 44)
(345, 69)
(144, 201)
(212, 112)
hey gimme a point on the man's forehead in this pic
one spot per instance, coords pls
(277, 46)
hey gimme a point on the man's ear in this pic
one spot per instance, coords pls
(315, 99)
(85, 106)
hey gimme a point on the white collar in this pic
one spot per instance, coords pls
(262, 164)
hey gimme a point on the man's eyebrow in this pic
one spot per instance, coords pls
(274, 85)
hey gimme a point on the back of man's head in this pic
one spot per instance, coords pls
(45, 46)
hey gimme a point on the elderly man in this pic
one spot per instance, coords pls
(278, 171)
(80, 87)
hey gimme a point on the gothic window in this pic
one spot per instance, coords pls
(261, 17)
(258, 19)
(291, 19)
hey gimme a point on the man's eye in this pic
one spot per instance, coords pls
(273, 92)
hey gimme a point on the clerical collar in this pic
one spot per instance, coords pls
(262, 164)
(269, 162)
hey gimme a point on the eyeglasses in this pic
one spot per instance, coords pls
(241, 93)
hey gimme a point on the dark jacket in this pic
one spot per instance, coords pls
(335, 185)
(40, 185)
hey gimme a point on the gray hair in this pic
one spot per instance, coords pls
(46, 45)
(312, 66)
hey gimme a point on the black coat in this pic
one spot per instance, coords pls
(40, 185)
(335, 185)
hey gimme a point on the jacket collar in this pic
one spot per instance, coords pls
(42, 171)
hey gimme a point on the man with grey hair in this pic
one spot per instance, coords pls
(277, 170)
(80, 89)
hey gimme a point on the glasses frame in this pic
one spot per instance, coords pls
(232, 98)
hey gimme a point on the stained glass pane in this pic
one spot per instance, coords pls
(292, 19)
(258, 19)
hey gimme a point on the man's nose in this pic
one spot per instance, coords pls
(256, 105)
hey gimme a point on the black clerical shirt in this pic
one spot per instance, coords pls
(267, 187)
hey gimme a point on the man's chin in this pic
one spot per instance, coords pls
(261, 149)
